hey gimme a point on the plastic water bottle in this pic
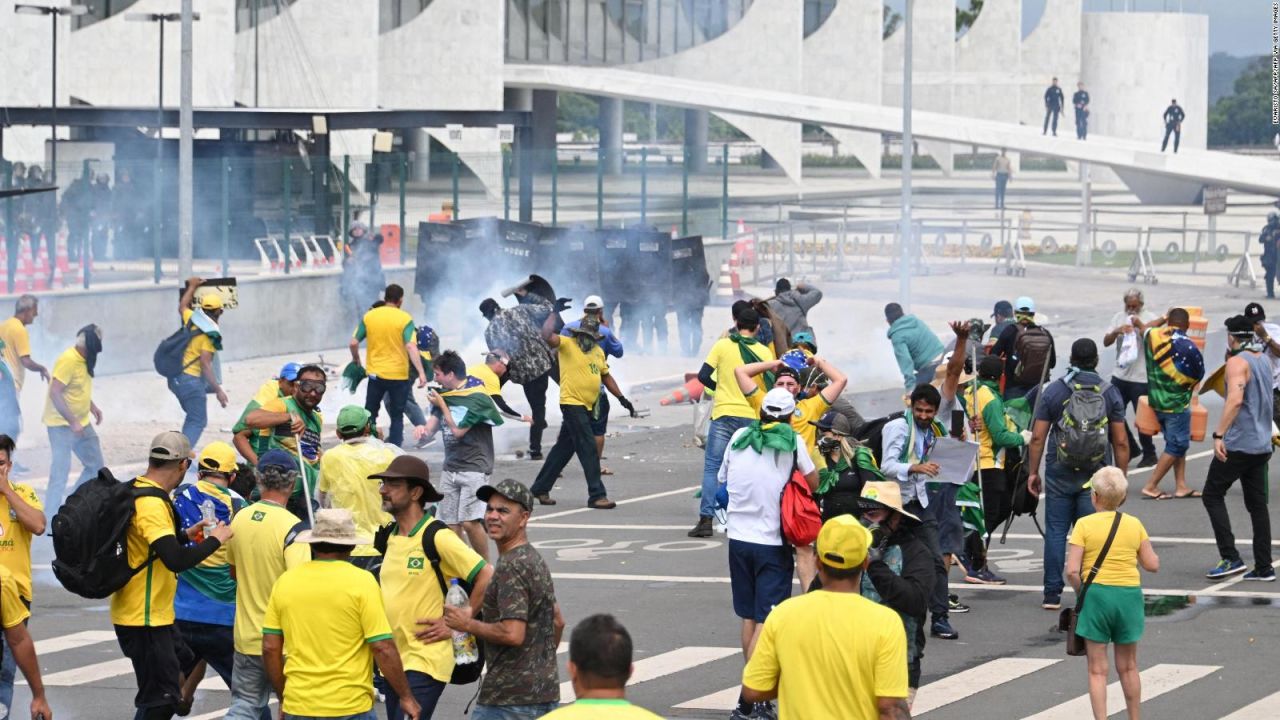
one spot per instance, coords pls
(209, 516)
(465, 650)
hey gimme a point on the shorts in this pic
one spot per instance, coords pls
(600, 416)
(942, 502)
(460, 503)
(1176, 428)
(759, 577)
(1112, 614)
(159, 656)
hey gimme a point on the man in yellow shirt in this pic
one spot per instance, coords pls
(15, 352)
(200, 368)
(599, 667)
(832, 654)
(13, 617)
(334, 643)
(67, 410)
(21, 516)
(262, 549)
(252, 442)
(414, 581)
(347, 478)
(142, 611)
(582, 371)
(731, 411)
(493, 373)
(388, 334)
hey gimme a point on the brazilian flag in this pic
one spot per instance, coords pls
(470, 405)
(969, 500)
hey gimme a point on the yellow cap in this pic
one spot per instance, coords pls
(843, 543)
(211, 301)
(218, 457)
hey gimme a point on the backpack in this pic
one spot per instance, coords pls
(90, 555)
(463, 674)
(872, 434)
(1082, 429)
(168, 355)
(1033, 347)
(801, 519)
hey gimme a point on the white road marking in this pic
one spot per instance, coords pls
(212, 682)
(726, 699)
(48, 646)
(1149, 468)
(89, 673)
(957, 687)
(628, 501)
(667, 663)
(218, 714)
(1156, 681)
(1264, 709)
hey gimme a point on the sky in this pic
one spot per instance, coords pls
(1236, 27)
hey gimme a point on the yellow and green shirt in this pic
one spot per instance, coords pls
(261, 549)
(385, 331)
(71, 370)
(15, 540)
(147, 599)
(580, 373)
(17, 345)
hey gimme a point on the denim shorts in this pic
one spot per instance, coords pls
(759, 577)
(1176, 428)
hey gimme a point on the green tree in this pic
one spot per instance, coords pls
(966, 18)
(1244, 117)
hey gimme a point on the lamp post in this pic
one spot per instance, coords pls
(906, 234)
(52, 11)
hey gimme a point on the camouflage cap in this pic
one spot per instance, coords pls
(513, 490)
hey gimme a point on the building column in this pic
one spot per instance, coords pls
(418, 142)
(611, 134)
(695, 140)
(544, 129)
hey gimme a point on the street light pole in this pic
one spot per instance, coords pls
(53, 12)
(906, 232)
(186, 143)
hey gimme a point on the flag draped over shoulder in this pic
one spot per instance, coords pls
(470, 405)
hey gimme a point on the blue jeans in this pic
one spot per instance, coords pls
(250, 689)
(718, 433)
(62, 443)
(190, 391)
(512, 712)
(397, 394)
(370, 715)
(426, 690)
(1065, 502)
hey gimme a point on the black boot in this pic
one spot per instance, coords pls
(702, 529)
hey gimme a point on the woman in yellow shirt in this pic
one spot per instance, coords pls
(1113, 609)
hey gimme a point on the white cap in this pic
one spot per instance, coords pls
(779, 403)
(593, 303)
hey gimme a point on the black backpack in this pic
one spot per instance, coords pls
(872, 434)
(90, 555)
(1033, 347)
(168, 356)
(462, 674)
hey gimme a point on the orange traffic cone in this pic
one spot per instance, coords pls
(691, 392)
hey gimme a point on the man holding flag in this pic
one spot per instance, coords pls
(468, 414)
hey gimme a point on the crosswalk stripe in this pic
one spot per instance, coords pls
(48, 646)
(723, 700)
(961, 685)
(667, 663)
(1156, 681)
(89, 673)
(1264, 709)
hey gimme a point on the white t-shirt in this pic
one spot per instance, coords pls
(755, 482)
(1136, 371)
(1273, 331)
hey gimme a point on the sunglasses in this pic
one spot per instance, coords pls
(312, 386)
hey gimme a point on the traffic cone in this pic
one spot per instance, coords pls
(62, 262)
(742, 227)
(674, 234)
(691, 392)
(726, 285)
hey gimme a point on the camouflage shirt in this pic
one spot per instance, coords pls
(521, 589)
(518, 332)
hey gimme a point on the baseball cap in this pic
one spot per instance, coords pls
(593, 303)
(990, 367)
(411, 469)
(170, 445)
(211, 301)
(277, 458)
(1024, 304)
(779, 403)
(289, 372)
(353, 418)
(218, 457)
(1003, 308)
(1254, 312)
(513, 490)
(804, 337)
(833, 421)
(843, 543)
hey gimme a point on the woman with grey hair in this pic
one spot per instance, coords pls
(1110, 605)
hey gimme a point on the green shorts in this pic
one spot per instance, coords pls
(1112, 614)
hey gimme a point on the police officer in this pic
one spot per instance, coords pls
(1269, 237)
(1173, 117)
(1081, 102)
(1053, 102)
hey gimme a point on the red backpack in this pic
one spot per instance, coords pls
(801, 519)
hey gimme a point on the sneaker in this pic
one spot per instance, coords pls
(1225, 568)
(1267, 574)
(1052, 601)
(942, 629)
(737, 714)
(984, 577)
(703, 529)
(954, 605)
(765, 711)
(1148, 461)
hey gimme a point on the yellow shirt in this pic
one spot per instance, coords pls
(411, 592)
(830, 655)
(328, 612)
(267, 391)
(580, 373)
(811, 408)
(15, 540)
(199, 343)
(12, 610)
(492, 384)
(17, 344)
(147, 599)
(261, 551)
(344, 477)
(1120, 567)
(385, 330)
(724, 358)
(71, 369)
(601, 710)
